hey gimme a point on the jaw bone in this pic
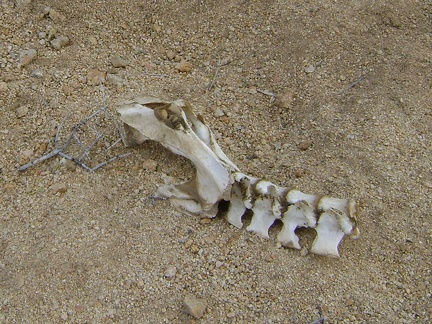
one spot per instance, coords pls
(217, 178)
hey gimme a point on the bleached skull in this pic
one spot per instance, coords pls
(175, 126)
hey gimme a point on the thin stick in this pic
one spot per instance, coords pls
(41, 159)
(351, 85)
(321, 319)
(220, 64)
(109, 161)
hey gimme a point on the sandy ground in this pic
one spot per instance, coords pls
(352, 118)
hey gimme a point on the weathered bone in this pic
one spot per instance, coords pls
(217, 178)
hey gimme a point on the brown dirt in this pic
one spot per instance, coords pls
(352, 119)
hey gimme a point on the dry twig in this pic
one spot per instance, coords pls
(77, 138)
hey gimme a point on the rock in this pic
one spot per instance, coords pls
(219, 113)
(150, 165)
(93, 40)
(27, 56)
(3, 86)
(95, 77)
(170, 272)
(184, 66)
(67, 90)
(284, 100)
(70, 165)
(194, 306)
(59, 42)
(21, 111)
(37, 73)
(118, 62)
(22, 3)
(309, 69)
(114, 79)
(170, 55)
(304, 145)
(28, 153)
(58, 188)
(64, 316)
(56, 16)
(205, 221)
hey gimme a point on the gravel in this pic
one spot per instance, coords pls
(99, 251)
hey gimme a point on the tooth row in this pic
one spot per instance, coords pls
(331, 218)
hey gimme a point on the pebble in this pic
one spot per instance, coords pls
(67, 90)
(184, 66)
(304, 251)
(95, 77)
(304, 145)
(70, 165)
(219, 113)
(309, 69)
(59, 42)
(28, 153)
(170, 55)
(114, 79)
(22, 111)
(27, 56)
(3, 86)
(38, 73)
(93, 40)
(150, 165)
(194, 306)
(56, 16)
(118, 62)
(170, 272)
(64, 316)
(205, 220)
(58, 188)
(284, 100)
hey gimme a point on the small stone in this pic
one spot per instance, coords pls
(58, 188)
(28, 153)
(70, 165)
(64, 316)
(93, 40)
(150, 165)
(67, 90)
(284, 100)
(188, 244)
(309, 69)
(114, 79)
(38, 73)
(170, 272)
(304, 251)
(205, 220)
(219, 113)
(194, 249)
(304, 145)
(3, 86)
(56, 16)
(42, 35)
(95, 77)
(22, 111)
(118, 62)
(194, 306)
(27, 56)
(59, 42)
(184, 66)
(219, 264)
(170, 55)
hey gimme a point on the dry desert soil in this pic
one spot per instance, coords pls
(332, 97)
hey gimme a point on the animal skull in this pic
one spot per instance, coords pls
(217, 178)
